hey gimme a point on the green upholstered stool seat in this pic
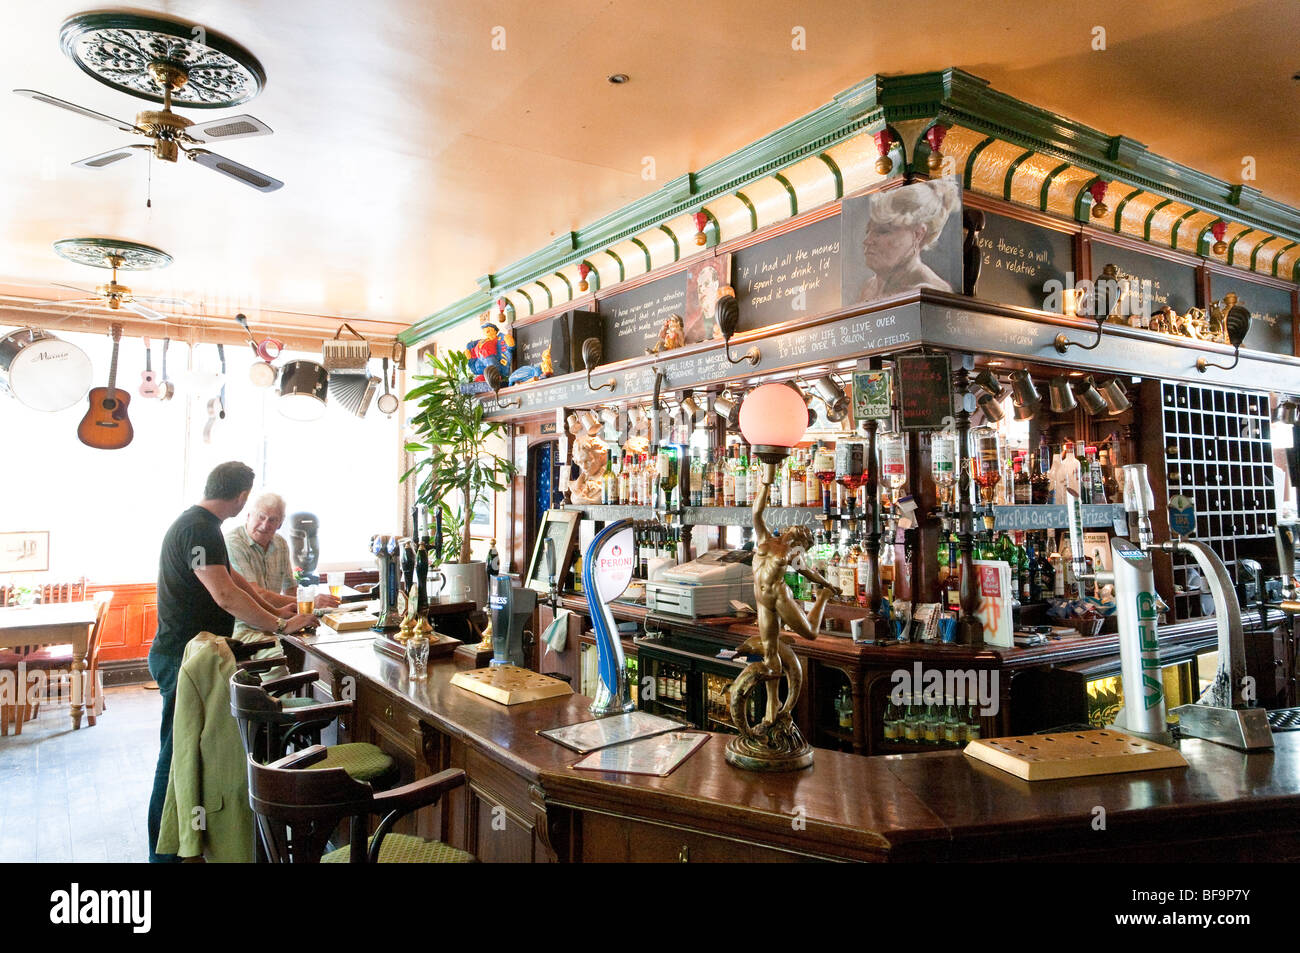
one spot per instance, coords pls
(405, 849)
(297, 701)
(362, 761)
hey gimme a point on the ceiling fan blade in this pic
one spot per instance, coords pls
(232, 127)
(79, 110)
(108, 158)
(143, 311)
(88, 291)
(240, 173)
(171, 302)
(68, 301)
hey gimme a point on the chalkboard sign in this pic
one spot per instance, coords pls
(1159, 281)
(794, 275)
(633, 318)
(924, 391)
(1270, 312)
(531, 340)
(1017, 258)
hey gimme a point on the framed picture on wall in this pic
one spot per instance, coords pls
(561, 528)
(26, 551)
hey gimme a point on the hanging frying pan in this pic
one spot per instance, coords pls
(388, 402)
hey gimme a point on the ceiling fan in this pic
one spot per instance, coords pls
(113, 254)
(173, 134)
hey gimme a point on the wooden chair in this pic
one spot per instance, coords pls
(58, 658)
(297, 810)
(272, 720)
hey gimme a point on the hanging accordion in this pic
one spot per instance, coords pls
(353, 392)
(350, 356)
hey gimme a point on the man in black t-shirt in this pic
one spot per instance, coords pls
(199, 592)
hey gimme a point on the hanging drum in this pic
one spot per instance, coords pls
(353, 392)
(43, 372)
(303, 388)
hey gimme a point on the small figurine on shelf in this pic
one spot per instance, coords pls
(671, 335)
(534, 372)
(493, 348)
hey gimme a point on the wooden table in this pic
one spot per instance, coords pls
(58, 623)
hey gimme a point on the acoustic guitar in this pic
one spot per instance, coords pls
(148, 383)
(106, 426)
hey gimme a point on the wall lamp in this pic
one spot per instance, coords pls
(1101, 305)
(728, 312)
(1237, 325)
(496, 380)
(592, 352)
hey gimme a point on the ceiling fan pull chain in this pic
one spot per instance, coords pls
(148, 199)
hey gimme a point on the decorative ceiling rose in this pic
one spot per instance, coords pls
(112, 252)
(135, 54)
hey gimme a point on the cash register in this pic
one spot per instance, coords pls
(705, 586)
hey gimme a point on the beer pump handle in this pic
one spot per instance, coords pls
(1078, 558)
(550, 570)
(1139, 501)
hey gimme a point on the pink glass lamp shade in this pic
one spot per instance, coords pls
(773, 419)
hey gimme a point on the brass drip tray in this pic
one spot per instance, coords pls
(1284, 719)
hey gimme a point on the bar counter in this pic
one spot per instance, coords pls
(524, 802)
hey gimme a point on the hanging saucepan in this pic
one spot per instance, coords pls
(303, 388)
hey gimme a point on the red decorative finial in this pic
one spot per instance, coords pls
(1218, 230)
(1098, 190)
(701, 223)
(934, 136)
(884, 140)
(502, 303)
(583, 271)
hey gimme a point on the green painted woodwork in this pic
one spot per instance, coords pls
(794, 199)
(950, 96)
(835, 171)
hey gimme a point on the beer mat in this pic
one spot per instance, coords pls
(659, 755)
(587, 736)
(1073, 754)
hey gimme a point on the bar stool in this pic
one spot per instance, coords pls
(297, 810)
(271, 720)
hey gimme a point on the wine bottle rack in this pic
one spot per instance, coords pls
(1217, 451)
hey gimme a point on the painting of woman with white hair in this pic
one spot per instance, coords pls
(908, 237)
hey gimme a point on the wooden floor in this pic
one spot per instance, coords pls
(80, 796)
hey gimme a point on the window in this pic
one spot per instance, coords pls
(107, 511)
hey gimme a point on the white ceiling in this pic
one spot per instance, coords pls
(417, 157)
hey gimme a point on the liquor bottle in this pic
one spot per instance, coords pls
(797, 496)
(1110, 465)
(862, 574)
(1022, 569)
(986, 454)
(887, 568)
(697, 478)
(943, 463)
(1098, 476)
(729, 477)
(756, 480)
(1040, 488)
(1020, 474)
(609, 487)
(844, 709)
(824, 468)
(719, 476)
(667, 472)
(706, 478)
(624, 481)
(742, 478)
(987, 549)
(811, 486)
(1085, 474)
(953, 597)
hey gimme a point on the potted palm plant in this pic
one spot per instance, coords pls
(454, 465)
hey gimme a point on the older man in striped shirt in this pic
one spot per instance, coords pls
(259, 554)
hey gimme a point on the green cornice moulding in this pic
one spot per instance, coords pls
(951, 96)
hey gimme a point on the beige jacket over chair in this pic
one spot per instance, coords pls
(206, 811)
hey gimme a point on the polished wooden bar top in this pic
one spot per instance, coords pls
(938, 805)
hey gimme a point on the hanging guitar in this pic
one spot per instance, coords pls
(166, 389)
(217, 405)
(148, 383)
(106, 425)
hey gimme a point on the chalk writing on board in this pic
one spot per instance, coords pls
(1002, 255)
(796, 274)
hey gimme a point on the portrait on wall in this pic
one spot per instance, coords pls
(704, 280)
(902, 239)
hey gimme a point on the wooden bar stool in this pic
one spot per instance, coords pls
(297, 810)
(272, 720)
